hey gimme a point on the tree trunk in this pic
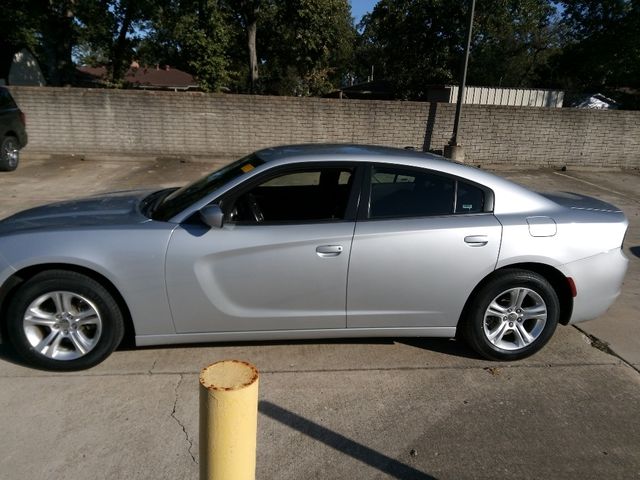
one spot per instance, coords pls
(253, 56)
(118, 56)
(58, 42)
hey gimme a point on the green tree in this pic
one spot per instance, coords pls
(308, 47)
(412, 43)
(248, 13)
(194, 35)
(603, 47)
(514, 43)
(48, 28)
(19, 26)
(417, 43)
(109, 31)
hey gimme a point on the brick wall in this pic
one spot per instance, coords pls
(127, 122)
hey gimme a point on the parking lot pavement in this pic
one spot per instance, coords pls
(381, 408)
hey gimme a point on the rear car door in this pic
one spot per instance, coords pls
(422, 242)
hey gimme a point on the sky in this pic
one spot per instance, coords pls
(360, 7)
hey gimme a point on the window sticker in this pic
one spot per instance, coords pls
(247, 168)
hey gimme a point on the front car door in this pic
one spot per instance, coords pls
(423, 241)
(278, 263)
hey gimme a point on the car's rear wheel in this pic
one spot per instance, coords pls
(9, 154)
(61, 320)
(512, 316)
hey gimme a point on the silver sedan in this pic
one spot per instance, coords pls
(309, 241)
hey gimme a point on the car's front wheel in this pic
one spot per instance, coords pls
(9, 154)
(512, 316)
(62, 320)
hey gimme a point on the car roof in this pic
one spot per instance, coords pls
(338, 149)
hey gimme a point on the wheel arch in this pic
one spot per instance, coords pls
(19, 277)
(13, 134)
(554, 276)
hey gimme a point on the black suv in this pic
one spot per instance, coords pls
(13, 135)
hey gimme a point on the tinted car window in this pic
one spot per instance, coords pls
(399, 192)
(470, 199)
(317, 194)
(180, 199)
(6, 101)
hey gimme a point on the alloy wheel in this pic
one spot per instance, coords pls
(515, 318)
(62, 325)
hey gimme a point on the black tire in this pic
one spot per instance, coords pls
(511, 345)
(102, 330)
(8, 160)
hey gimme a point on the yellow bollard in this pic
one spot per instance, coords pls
(228, 421)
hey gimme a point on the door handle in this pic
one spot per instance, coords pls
(329, 250)
(476, 240)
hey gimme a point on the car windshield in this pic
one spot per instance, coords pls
(182, 198)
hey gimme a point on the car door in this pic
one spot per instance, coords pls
(278, 263)
(422, 242)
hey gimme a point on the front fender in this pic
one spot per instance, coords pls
(132, 259)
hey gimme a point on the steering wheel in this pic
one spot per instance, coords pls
(254, 208)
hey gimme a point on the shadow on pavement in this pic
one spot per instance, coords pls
(635, 251)
(341, 443)
(8, 354)
(448, 346)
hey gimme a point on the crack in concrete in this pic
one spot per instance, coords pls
(150, 371)
(340, 370)
(603, 346)
(184, 430)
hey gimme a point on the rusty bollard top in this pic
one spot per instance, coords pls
(228, 375)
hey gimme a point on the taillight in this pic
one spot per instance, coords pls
(572, 287)
(23, 119)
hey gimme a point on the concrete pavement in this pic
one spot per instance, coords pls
(371, 408)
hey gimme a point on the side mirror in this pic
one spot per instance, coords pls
(212, 215)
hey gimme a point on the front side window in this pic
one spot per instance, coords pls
(400, 192)
(182, 198)
(314, 194)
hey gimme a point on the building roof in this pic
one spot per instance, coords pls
(154, 78)
(374, 90)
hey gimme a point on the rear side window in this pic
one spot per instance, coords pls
(399, 192)
(469, 198)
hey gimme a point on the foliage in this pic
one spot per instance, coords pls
(514, 42)
(109, 31)
(192, 35)
(417, 43)
(309, 47)
(45, 27)
(19, 25)
(603, 45)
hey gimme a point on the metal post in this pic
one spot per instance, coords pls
(454, 142)
(228, 421)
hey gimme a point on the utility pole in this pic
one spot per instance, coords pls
(454, 149)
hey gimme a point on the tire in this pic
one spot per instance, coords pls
(9, 154)
(62, 320)
(512, 316)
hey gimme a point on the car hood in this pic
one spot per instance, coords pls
(110, 209)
